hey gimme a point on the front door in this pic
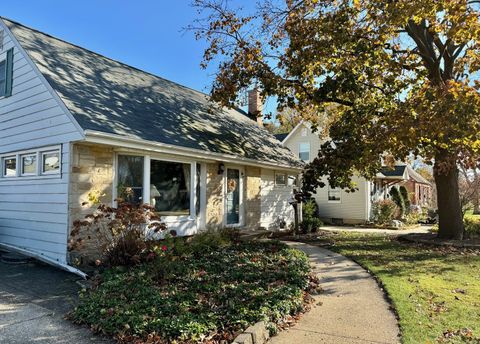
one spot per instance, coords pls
(233, 197)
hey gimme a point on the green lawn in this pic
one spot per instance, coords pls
(433, 290)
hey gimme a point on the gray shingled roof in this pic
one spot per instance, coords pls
(396, 171)
(281, 137)
(111, 97)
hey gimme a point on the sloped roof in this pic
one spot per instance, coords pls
(417, 176)
(281, 137)
(396, 171)
(111, 97)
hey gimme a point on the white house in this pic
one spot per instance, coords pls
(338, 206)
(74, 124)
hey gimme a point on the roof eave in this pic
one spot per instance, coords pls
(93, 136)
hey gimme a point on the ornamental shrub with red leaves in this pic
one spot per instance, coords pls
(118, 233)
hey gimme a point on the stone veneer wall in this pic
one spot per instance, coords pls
(252, 188)
(214, 216)
(91, 174)
(215, 206)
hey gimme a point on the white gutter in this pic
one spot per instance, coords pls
(45, 259)
(98, 137)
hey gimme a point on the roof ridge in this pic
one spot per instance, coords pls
(104, 56)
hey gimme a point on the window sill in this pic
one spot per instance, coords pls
(335, 202)
(49, 176)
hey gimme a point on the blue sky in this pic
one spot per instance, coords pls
(147, 34)
(144, 33)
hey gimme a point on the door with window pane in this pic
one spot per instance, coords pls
(233, 197)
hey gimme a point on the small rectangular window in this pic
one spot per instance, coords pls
(29, 164)
(10, 167)
(280, 179)
(304, 151)
(50, 162)
(334, 195)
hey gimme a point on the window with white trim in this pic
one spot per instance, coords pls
(29, 164)
(50, 162)
(304, 151)
(170, 187)
(334, 195)
(280, 179)
(38, 162)
(9, 166)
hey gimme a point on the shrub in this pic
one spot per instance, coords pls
(118, 233)
(310, 209)
(472, 226)
(413, 218)
(398, 199)
(406, 198)
(199, 298)
(311, 224)
(383, 212)
(201, 243)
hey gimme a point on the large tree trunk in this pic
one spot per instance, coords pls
(448, 199)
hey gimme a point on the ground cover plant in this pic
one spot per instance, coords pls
(207, 290)
(435, 291)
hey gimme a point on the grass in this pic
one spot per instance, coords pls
(436, 292)
(198, 293)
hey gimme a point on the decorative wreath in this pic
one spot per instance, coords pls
(231, 185)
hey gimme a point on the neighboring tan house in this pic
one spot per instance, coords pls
(74, 124)
(338, 206)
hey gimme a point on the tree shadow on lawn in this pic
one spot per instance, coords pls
(392, 257)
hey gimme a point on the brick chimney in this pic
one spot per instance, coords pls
(255, 106)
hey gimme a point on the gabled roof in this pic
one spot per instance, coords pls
(397, 171)
(417, 176)
(405, 172)
(108, 96)
(281, 137)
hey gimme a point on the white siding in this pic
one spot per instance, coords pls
(274, 204)
(353, 206)
(34, 210)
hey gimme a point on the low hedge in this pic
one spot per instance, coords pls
(198, 296)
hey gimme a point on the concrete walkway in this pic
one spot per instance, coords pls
(33, 300)
(352, 309)
(394, 232)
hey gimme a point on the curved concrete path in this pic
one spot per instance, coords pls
(353, 308)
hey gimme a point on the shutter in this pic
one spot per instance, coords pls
(9, 73)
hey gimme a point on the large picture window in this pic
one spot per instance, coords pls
(170, 187)
(130, 178)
